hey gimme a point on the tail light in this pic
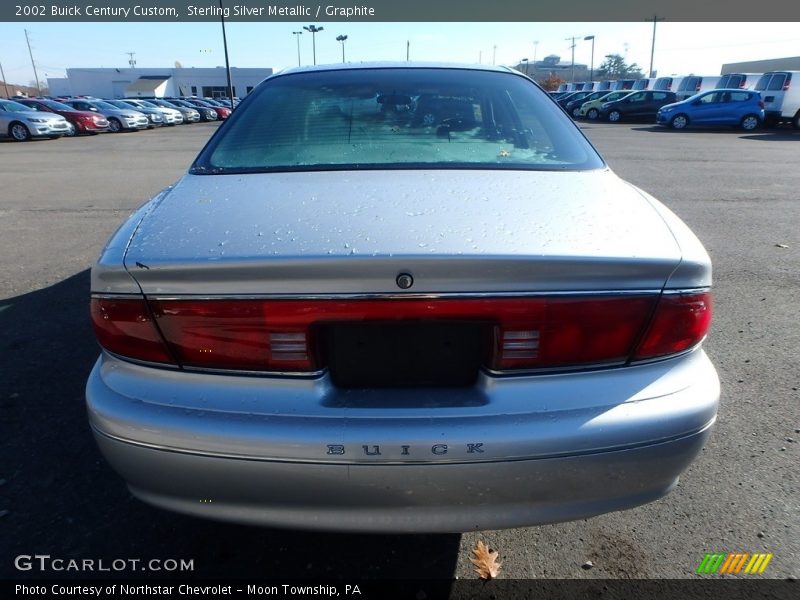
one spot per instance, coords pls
(125, 327)
(279, 335)
(760, 104)
(681, 321)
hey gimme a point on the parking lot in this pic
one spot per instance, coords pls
(59, 202)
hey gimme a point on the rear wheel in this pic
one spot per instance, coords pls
(679, 122)
(19, 132)
(593, 114)
(749, 123)
(114, 126)
(796, 120)
(576, 112)
(614, 116)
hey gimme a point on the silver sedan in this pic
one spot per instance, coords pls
(401, 298)
(21, 123)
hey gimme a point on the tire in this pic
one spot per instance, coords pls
(592, 114)
(749, 123)
(114, 125)
(796, 121)
(429, 119)
(19, 132)
(576, 112)
(73, 132)
(614, 116)
(680, 121)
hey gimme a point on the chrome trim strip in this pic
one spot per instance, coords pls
(380, 463)
(291, 374)
(409, 296)
(396, 296)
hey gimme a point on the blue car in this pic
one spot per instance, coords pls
(735, 107)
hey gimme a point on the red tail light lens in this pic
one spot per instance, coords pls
(250, 335)
(125, 327)
(279, 335)
(681, 321)
(562, 332)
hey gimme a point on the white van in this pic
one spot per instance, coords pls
(694, 84)
(666, 84)
(780, 91)
(743, 81)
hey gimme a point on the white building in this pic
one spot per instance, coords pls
(122, 83)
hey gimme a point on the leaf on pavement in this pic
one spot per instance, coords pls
(485, 560)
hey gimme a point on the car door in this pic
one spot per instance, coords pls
(708, 108)
(636, 104)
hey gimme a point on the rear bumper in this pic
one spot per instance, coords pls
(299, 453)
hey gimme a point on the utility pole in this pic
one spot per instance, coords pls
(653, 47)
(131, 62)
(35, 74)
(408, 50)
(3, 75)
(225, 46)
(573, 56)
(494, 54)
(297, 34)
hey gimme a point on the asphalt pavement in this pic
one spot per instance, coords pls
(739, 192)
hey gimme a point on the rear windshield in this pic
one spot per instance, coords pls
(397, 118)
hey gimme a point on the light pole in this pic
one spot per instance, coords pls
(225, 46)
(653, 47)
(525, 60)
(341, 38)
(573, 56)
(314, 29)
(494, 54)
(591, 68)
(297, 35)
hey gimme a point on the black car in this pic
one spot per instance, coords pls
(573, 106)
(638, 105)
(574, 96)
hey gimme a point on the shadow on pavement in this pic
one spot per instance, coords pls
(63, 500)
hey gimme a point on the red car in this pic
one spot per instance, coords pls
(84, 121)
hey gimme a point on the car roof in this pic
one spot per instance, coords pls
(395, 65)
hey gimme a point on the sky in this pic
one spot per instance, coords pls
(681, 48)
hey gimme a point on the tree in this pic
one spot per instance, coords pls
(551, 82)
(615, 67)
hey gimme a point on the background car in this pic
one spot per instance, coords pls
(189, 114)
(154, 116)
(171, 116)
(573, 107)
(82, 121)
(223, 112)
(580, 95)
(637, 105)
(591, 108)
(21, 122)
(375, 324)
(734, 107)
(207, 113)
(119, 119)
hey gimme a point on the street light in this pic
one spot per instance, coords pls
(313, 29)
(297, 34)
(341, 38)
(591, 69)
(525, 60)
